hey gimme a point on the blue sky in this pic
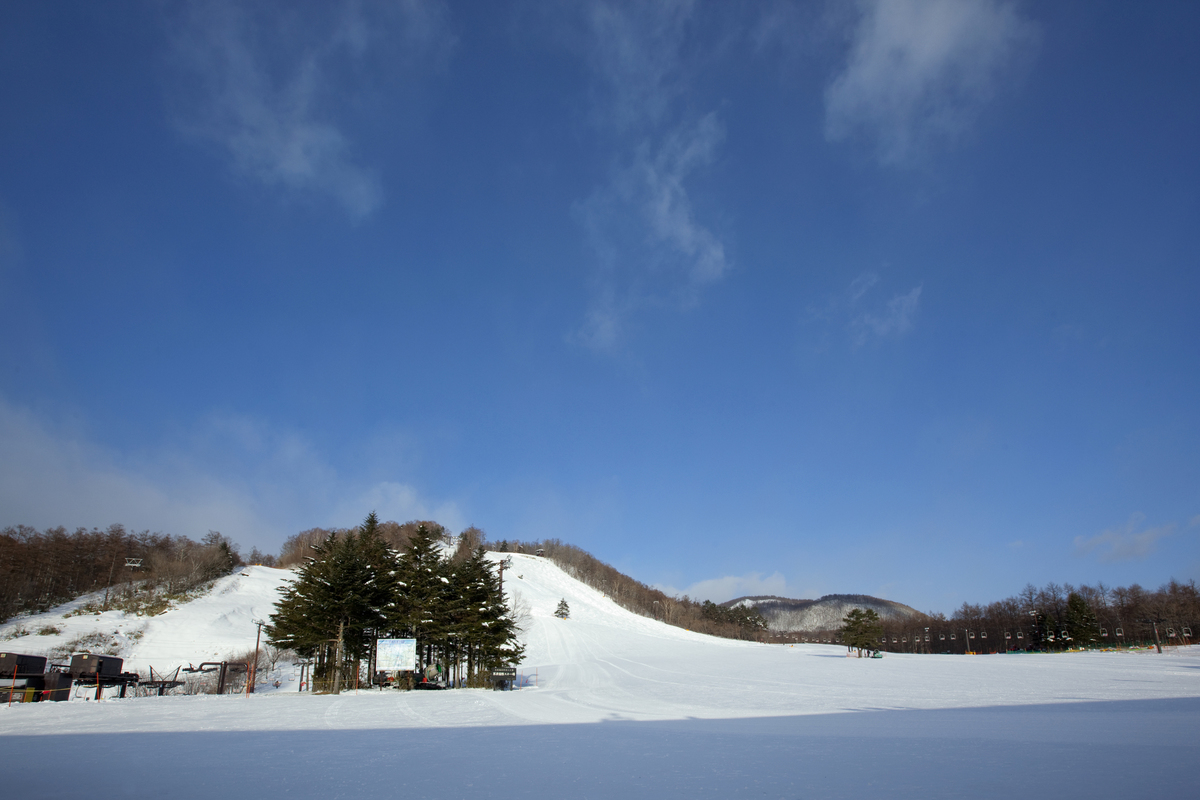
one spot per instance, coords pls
(896, 298)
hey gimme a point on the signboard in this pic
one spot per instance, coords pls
(396, 655)
(504, 673)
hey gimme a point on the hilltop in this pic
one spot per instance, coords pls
(785, 614)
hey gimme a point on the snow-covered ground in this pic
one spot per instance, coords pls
(625, 707)
(217, 625)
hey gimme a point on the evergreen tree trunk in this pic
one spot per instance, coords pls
(337, 664)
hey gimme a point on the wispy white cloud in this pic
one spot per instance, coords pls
(230, 473)
(634, 54)
(641, 226)
(400, 502)
(268, 87)
(861, 285)
(1125, 543)
(895, 318)
(730, 586)
(920, 71)
(865, 317)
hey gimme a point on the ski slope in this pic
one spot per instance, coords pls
(624, 706)
(218, 625)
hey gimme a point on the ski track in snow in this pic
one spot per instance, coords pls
(625, 707)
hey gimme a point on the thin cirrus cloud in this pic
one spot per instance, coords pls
(269, 88)
(649, 247)
(400, 502)
(895, 318)
(643, 232)
(634, 55)
(866, 317)
(1125, 543)
(727, 587)
(920, 71)
(231, 474)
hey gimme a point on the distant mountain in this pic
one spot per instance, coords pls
(787, 614)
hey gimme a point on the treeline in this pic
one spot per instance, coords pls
(355, 588)
(1054, 617)
(42, 569)
(683, 612)
(298, 548)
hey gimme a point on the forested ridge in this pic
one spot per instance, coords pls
(41, 569)
(1054, 617)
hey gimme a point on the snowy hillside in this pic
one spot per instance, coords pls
(623, 707)
(827, 613)
(605, 660)
(214, 626)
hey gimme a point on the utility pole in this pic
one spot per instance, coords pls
(505, 564)
(254, 669)
(111, 570)
(134, 564)
(1154, 621)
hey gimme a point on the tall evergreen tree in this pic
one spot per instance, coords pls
(420, 610)
(497, 628)
(337, 602)
(1081, 621)
(861, 630)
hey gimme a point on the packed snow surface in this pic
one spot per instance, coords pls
(624, 706)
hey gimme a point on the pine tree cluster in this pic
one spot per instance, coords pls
(861, 629)
(746, 618)
(355, 589)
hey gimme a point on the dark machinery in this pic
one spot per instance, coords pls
(162, 682)
(223, 668)
(21, 677)
(90, 669)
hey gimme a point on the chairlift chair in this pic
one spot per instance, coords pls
(983, 634)
(1066, 635)
(1104, 633)
(941, 637)
(1007, 635)
(952, 637)
(927, 637)
(905, 638)
(1020, 635)
(1120, 632)
(971, 634)
(1187, 632)
(1171, 632)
